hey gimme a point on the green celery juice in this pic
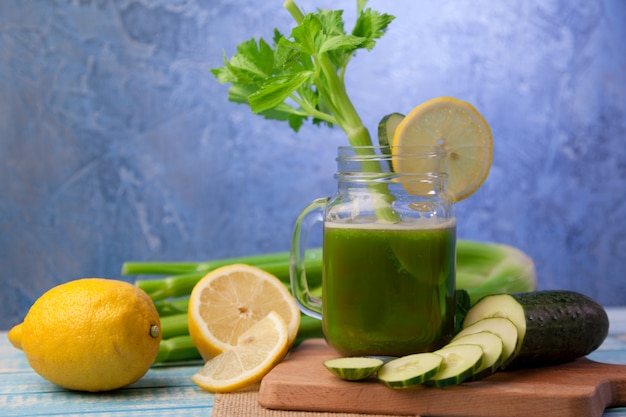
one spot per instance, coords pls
(388, 290)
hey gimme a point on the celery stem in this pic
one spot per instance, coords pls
(176, 325)
(179, 285)
(175, 268)
(177, 349)
(333, 92)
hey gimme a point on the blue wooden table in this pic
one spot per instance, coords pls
(168, 391)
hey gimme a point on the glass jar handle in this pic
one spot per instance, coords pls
(312, 214)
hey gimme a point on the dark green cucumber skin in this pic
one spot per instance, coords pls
(561, 326)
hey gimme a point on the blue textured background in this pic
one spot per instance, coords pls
(118, 144)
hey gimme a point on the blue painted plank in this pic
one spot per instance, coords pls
(163, 391)
(28, 382)
(158, 401)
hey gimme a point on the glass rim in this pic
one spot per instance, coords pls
(381, 153)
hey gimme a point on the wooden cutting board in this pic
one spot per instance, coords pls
(583, 388)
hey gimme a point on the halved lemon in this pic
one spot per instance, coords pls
(257, 351)
(462, 134)
(230, 300)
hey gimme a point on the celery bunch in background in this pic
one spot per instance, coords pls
(482, 269)
(171, 294)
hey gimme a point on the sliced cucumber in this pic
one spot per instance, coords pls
(410, 370)
(353, 369)
(500, 326)
(554, 326)
(459, 363)
(386, 129)
(503, 306)
(492, 352)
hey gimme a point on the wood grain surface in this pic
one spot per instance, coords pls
(583, 388)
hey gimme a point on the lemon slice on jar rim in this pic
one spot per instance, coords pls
(462, 134)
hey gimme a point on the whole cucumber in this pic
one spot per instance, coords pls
(554, 326)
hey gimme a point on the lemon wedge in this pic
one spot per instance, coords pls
(230, 300)
(257, 351)
(463, 135)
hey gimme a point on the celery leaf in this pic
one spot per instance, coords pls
(301, 76)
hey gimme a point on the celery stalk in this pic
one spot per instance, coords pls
(174, 325)
(177, 349)
(181, 284)
(172, 286)
(172, 306)
(310, 327)
(485, 268)
(176, 268)
(333, 92)
(308, 69)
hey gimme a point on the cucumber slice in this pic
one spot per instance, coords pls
(500, 326)
(492, 352)
(459, 363)
(499, 305)
(410, 370)
(386, 128)
(353, 369)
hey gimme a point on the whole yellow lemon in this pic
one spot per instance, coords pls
(91, 334)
